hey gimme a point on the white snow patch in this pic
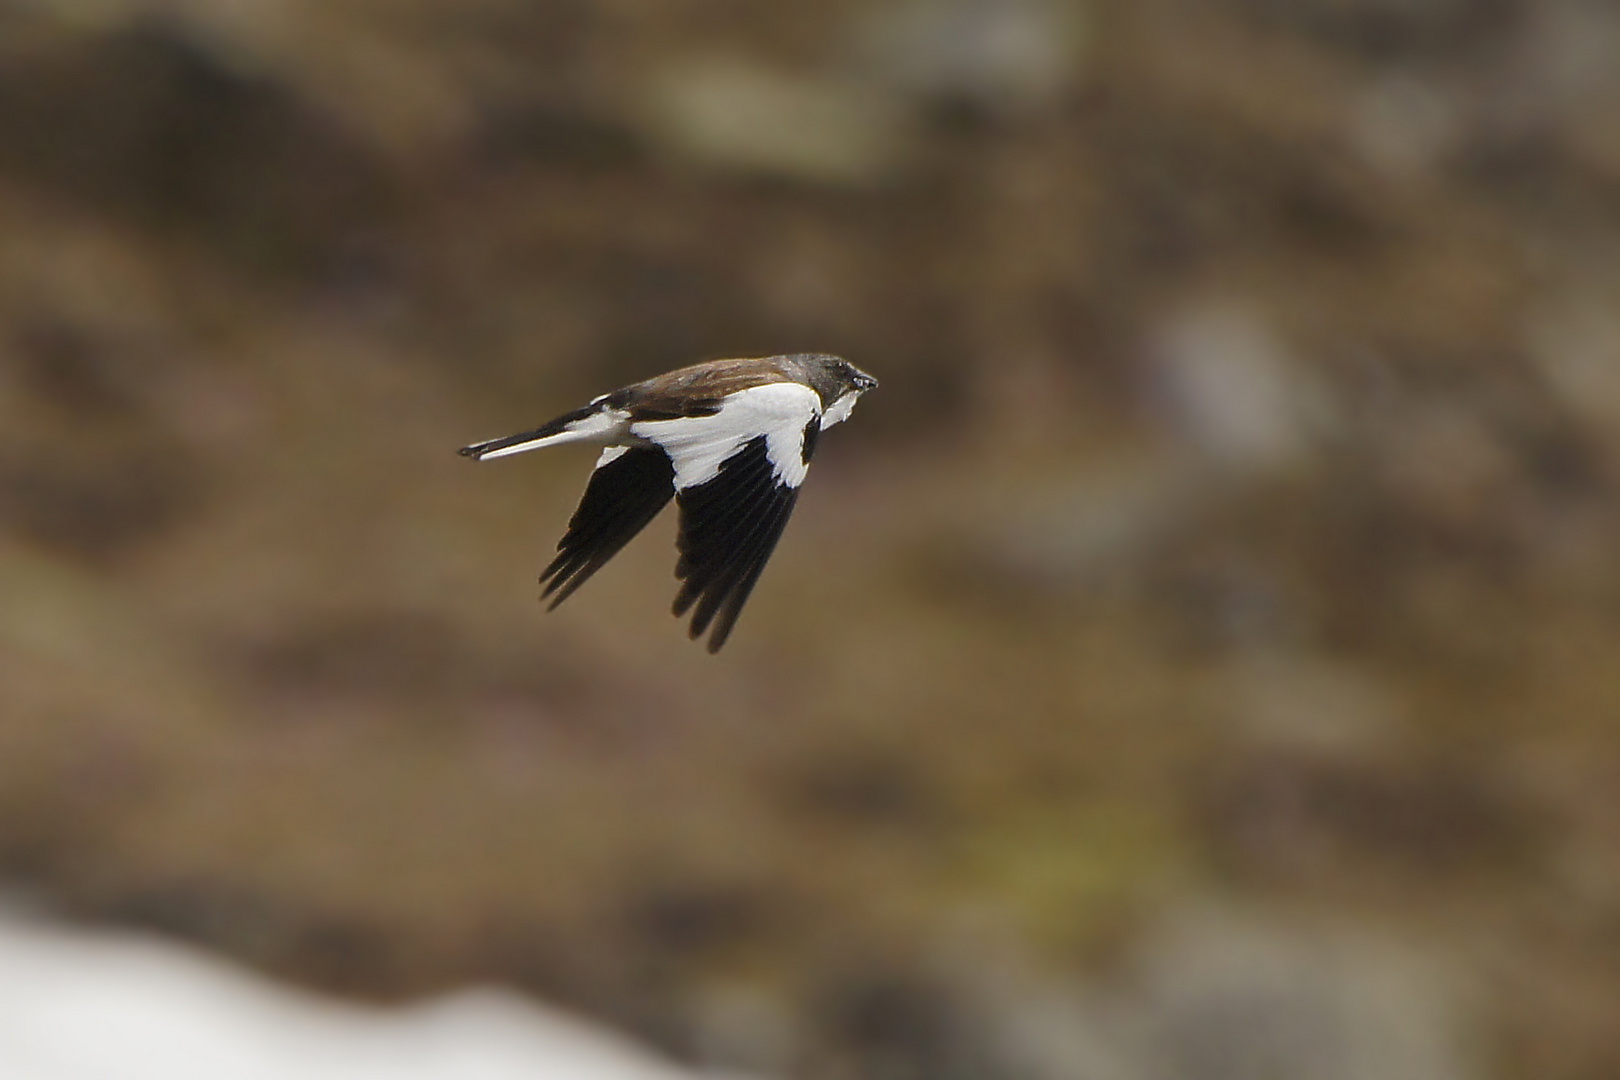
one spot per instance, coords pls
(94, 1005)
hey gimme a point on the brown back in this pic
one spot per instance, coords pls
(697, 390)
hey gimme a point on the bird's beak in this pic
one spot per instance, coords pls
(864, 382)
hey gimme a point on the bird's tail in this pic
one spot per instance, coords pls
(593, 423)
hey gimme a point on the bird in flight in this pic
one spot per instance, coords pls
(730, 440)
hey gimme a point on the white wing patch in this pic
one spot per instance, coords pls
(699, 444)
(610, 455)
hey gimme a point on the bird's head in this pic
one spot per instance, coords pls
(858, 380)
(838, 381)
(833, 377)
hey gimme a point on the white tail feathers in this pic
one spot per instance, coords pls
(599, 427)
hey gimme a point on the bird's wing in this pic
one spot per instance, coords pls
(627, 489)
(737, 476)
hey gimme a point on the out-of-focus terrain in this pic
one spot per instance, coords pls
(1200, 658)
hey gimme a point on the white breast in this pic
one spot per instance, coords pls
(839, 410)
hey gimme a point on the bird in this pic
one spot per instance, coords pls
(729, 440)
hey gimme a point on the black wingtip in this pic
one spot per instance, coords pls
(471, 451)
(621, 498)
(700, 626)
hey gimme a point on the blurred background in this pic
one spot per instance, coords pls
(1200, 660)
